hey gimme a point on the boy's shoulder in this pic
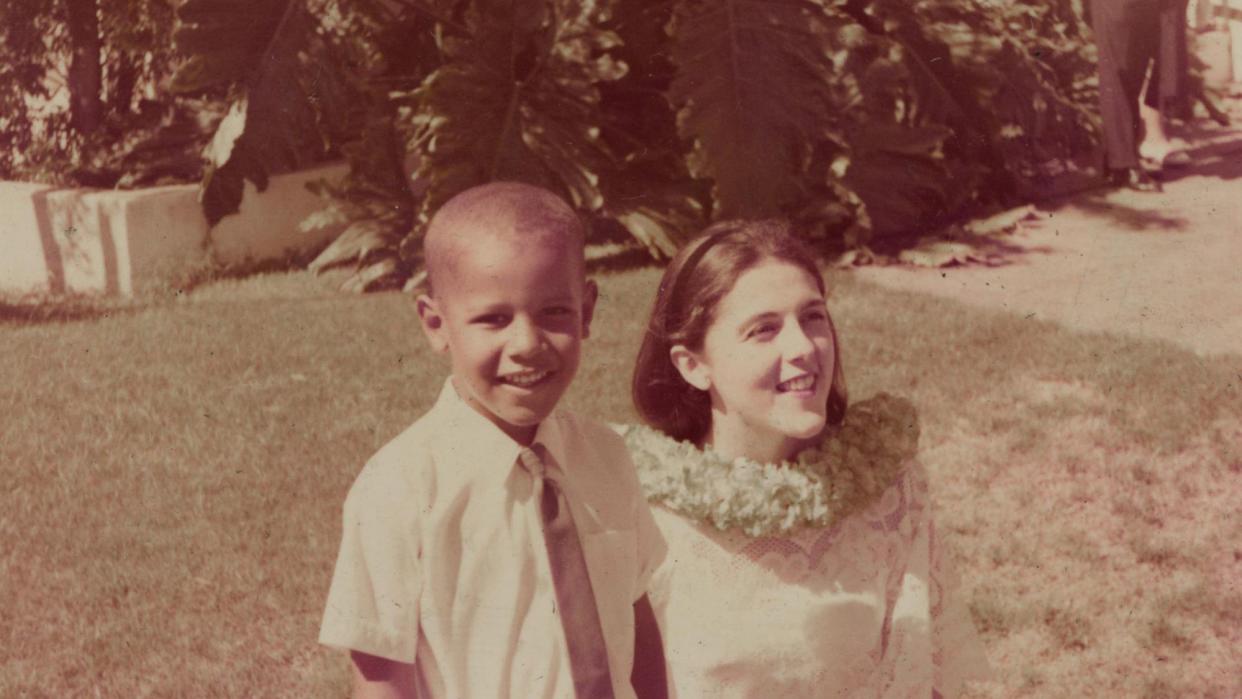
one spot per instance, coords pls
(415, 439)
(404, 459)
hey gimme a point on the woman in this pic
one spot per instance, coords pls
(802, 557)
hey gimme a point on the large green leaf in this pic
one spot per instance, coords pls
(293, 99)
(1004, 76)
(375, 199)
(932, 74)
(896, 173)
(751, 89)
(516, 100)
(650, 192)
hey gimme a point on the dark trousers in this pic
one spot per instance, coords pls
(1168, 88)
(1129, 35)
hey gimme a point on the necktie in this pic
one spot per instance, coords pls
(575, 600)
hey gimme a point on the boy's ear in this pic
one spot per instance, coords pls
(432, 322)
(590, 294)
(691, 368)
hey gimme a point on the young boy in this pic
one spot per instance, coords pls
(450, 580)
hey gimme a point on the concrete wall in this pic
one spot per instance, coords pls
(27, 250)
(117, 242)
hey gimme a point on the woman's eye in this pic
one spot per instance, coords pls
(558, 311)
(815, 316)
(762, 330)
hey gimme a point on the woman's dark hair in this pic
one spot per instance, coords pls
(695, 281)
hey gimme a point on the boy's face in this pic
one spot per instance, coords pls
(512, 317)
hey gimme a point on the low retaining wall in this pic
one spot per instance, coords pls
(57, 241)
(27, 255)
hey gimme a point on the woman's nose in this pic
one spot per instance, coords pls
(795, 343)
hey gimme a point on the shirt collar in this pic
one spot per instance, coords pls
(476, 440)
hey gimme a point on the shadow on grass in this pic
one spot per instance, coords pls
(1126, 217)
(36, 310)
(210, 272)
(1155, 394)
(67, 310)
(1217, 159)
(1101, 202)
(1080, 187)
(1220, 159)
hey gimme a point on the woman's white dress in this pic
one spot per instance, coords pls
(864, 608)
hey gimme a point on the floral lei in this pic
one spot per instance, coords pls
(851, 468)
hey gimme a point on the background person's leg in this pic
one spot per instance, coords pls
(1125, 34)
(1166, 91)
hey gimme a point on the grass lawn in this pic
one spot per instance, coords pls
(171, 476)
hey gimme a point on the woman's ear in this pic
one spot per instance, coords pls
(691, 367)
(432, 323)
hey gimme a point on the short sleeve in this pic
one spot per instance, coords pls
(373, 601)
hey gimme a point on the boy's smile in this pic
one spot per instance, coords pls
(525, 379)
(512, 314)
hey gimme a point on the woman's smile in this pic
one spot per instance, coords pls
(803, 385)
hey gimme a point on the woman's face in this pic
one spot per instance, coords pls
(767, 361)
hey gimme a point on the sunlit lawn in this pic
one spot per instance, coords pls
(171, 475)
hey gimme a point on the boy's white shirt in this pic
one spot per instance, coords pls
(442, 559)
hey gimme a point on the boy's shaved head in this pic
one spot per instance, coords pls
(497, 213)
(508, 300)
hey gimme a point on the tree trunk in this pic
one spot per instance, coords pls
(85, 68)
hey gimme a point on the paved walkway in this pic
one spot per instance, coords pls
(1165, 266)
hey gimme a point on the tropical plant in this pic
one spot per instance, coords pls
(290, 104)
(858, 118)
(81, 100)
